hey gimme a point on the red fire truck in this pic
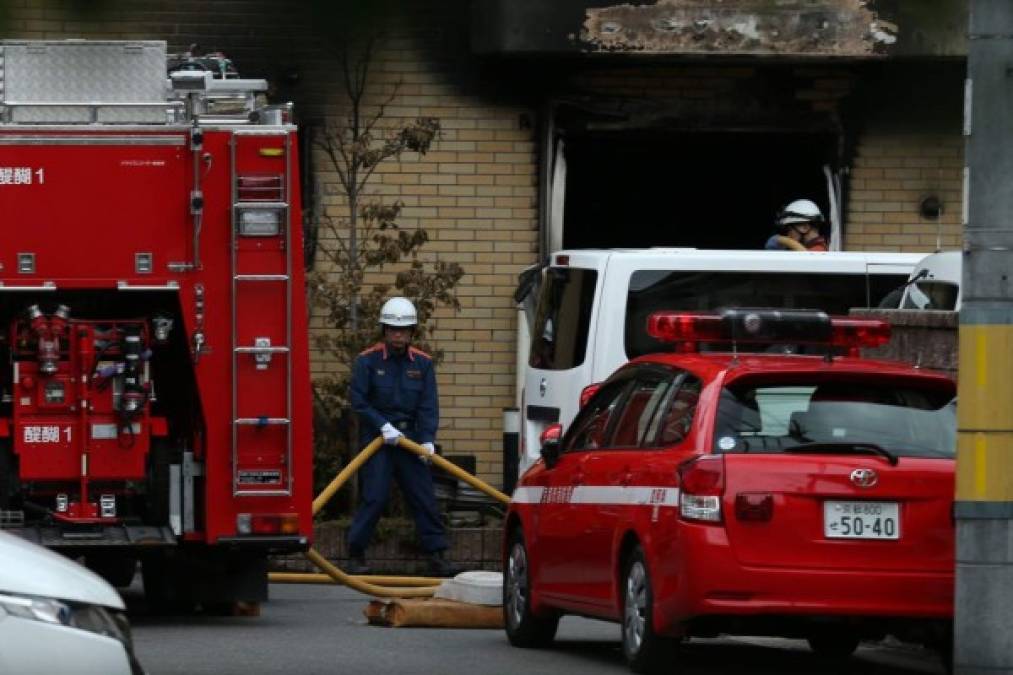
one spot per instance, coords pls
(152, 318)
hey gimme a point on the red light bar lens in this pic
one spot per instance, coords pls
(682, 327)
(768, 326)
(855, 333)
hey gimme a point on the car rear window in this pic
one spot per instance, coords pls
(559, 334)
(654, 290)
(905, 420)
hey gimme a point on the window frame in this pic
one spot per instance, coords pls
(629, 377)
(662, 379)
(684, 377)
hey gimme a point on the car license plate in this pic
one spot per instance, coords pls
(861, 520)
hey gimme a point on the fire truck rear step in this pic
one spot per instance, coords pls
(261, 421)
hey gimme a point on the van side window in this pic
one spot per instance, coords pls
(563, 320)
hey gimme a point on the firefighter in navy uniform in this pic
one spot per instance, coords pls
(393, 391)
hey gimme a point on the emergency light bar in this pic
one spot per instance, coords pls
(686, 330)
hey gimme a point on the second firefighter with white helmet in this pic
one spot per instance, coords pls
(393, 391)
(798, 228)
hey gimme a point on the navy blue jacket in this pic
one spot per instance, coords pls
(396, 389)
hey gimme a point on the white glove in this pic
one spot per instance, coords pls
(430, 450)
(390, 434)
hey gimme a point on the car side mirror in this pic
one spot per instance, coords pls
(550, 439)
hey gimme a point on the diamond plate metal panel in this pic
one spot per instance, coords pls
(93, 73)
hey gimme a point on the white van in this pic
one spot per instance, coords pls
(935, 283)
(593, 307)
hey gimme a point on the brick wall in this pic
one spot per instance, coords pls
(892, 174)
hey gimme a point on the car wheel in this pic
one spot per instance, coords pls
(118, 570)
(834, 645)
(162, 592)
(645, 650)
(523, 627)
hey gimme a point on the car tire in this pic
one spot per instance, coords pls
(523, 627)
(161, 588)
(644, 649)
(834, 646)
(118, 570)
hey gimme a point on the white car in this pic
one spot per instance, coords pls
(56, 616)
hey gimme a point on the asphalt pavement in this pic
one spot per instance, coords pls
(305, 630)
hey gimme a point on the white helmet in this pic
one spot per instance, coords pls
(799, 211)
(398, 312)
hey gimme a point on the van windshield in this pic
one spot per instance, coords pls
(655, 290)
(559, 334)
(931, 295)
(904, 421)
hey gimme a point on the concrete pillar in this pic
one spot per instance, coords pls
(984, 509)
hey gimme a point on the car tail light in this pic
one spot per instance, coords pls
(701, 484)
(267, 523)
(754, 507)
(260, 188)
(587, 392)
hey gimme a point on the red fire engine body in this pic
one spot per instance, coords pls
(155, 386)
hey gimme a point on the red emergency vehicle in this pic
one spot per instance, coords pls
(705, 492)
(155, 384)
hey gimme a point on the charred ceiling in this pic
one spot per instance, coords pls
(793, 29)
(799, 27)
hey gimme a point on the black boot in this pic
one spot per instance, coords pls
(357, 565)
(439, 566)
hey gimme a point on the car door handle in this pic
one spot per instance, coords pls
(626, 478)
(578, 479)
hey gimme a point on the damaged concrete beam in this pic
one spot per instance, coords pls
(845, 28)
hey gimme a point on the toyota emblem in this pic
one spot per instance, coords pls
(864, 477)
(543, 386)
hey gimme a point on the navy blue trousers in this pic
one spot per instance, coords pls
(416, 483)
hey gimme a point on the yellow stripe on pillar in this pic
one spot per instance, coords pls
(985, 413)
(985, 467)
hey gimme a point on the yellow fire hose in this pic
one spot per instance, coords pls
(379, 586)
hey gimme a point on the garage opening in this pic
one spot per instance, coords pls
(717, 190)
